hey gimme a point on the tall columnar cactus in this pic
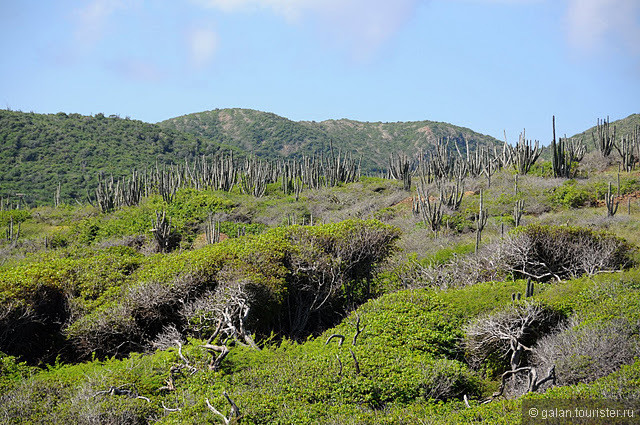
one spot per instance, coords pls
(504, 158)
(340, 168)
(524, 154)
(530, 288)
(452, 196)
(611, 202)
(425, 169)
(106, 194)
(131, 189)
(442, 161)
(161, 229)
(212, 230)
(13, 233)
(518, 210)
(603, 138)
(565, 154)
(431, 211)
(629, 150)
(255, 177)
(168, 180)
(481, 222)
(400, 169)
(56, 198)
(291, 173)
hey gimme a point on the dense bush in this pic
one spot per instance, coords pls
(294, 280)
(572, 195)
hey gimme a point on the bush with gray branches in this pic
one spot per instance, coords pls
(505, 338)
(586, 351)
(538, 252)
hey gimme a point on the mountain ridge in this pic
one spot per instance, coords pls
(243, 128)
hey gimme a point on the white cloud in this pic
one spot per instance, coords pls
(93, 18)
(137, 69)
(202, 45)
(361, 25)
(592, 23)
(290, 9)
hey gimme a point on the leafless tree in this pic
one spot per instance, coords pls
(509, 334)
(586, 351)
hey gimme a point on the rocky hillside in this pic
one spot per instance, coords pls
(270, 135)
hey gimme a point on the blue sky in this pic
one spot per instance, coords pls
(490, 65)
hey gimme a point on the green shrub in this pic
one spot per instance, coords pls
(295, 280)
(457, 222)
(541, 169)
(12, 372)
(572, 195)
(17, 216)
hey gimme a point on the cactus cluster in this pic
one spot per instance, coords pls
(223, 172)
(611, 202)
(523, 155)
(481, 222)
(603, 138)
(566, 152)
(629, 149)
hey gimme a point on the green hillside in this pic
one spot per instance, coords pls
(270, 135)
(39, 151)
(264, 134)
(377, 140)
(624, 127)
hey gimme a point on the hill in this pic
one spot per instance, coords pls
(270, 135)
(39, 151)
(624, 127)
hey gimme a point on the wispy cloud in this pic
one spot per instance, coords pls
(360, 25)
(594, 23)
(290, 9)
(202, 44)
(137, 69)
(92, 20)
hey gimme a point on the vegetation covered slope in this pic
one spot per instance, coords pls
(323, 323)
(459, 296)
(624, 127)
(270, 135)
(37, 152)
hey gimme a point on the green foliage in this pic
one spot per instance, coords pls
(444, 255)
(116, 295)
(80, 301)
(408, 356)
(12, 372)
(572, 195)
(17, 216)
(187, 211)
(39, 151)
(542, 169)
(457, 222)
